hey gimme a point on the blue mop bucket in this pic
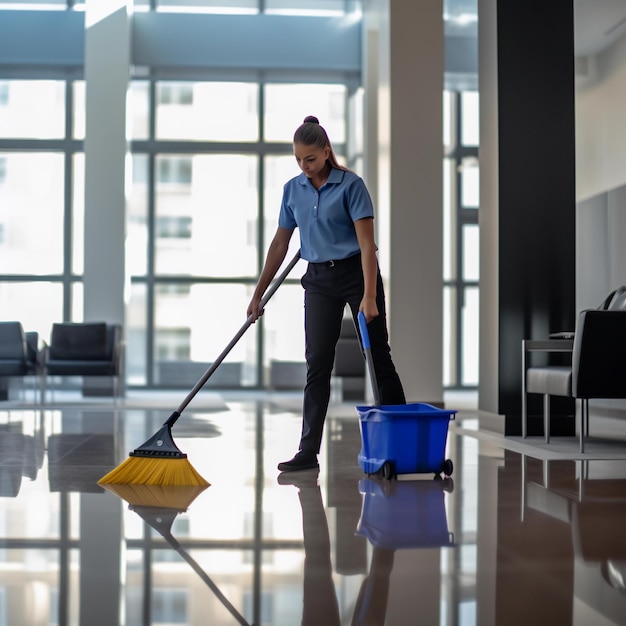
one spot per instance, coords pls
(404, 439)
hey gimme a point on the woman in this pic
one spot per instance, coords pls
(333, 211)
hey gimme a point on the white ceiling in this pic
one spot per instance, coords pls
(598, 24)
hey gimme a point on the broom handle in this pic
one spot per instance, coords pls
(367, 349)
(268, 294)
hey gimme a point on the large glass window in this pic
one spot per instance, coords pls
(41, 218)
(193, 324)
(31, 215)
(286, 106)
(137, 108)
(17, 304)
(137, 344)
(33, 109)
(200, 220)
(207, 111)
(287, 311)
(78, 111)
(461, 269)
(37, 4)
(469, 120)
(278, 170)
(281, 7)
(209, 6)
(78, 212)
(305, 7)
(206, 214)
(209, 158)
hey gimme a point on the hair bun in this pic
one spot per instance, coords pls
(311, 119)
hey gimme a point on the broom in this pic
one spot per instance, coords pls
(159, 461)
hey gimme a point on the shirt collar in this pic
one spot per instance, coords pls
(335, 176)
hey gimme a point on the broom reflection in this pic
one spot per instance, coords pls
(158, 506)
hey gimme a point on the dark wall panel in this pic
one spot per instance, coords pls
(537, 216)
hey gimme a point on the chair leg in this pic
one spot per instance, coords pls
(47, 388)
(524, 395)
(584, 418)
(546, 417)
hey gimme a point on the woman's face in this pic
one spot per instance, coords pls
(310, 159)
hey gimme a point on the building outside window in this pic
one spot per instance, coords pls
(461, 240)
(208, 165)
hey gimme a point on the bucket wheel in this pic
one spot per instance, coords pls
(387, 471)
(447, 467)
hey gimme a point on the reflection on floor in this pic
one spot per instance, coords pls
(510, 538)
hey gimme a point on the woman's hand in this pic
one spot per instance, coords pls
(368, 308)
(254, 309)
(275, 256)
(365, 234)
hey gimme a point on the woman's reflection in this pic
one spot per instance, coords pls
(320, 601)
(320, 606)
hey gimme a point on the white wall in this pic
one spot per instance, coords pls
(601, 179)
(489, 203)
(601, 123)
(600, 252)
(601, 174)
(403, 74)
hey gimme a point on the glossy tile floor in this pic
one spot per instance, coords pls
(510, 538)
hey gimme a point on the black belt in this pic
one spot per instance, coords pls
(335, 262)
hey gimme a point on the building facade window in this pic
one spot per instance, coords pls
(461, 269)
(209, 159)
(204, 224)
(199, 234)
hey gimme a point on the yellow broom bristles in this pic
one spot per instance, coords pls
(175, 497)
(139, 470)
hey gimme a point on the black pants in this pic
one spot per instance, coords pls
(328, 288)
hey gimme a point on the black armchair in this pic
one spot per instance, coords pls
(84, 349)
(562, 342)
(615, 301)
(598, 367)
(33, 351)
(17, 358)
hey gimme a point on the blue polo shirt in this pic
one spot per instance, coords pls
(325, 217)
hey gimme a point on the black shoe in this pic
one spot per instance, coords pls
(302, 461)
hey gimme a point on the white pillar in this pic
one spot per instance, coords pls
(489, 205)
(107, 67)
(404, 68)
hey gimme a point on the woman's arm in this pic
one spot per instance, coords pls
(365, 234)
(275, 256)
